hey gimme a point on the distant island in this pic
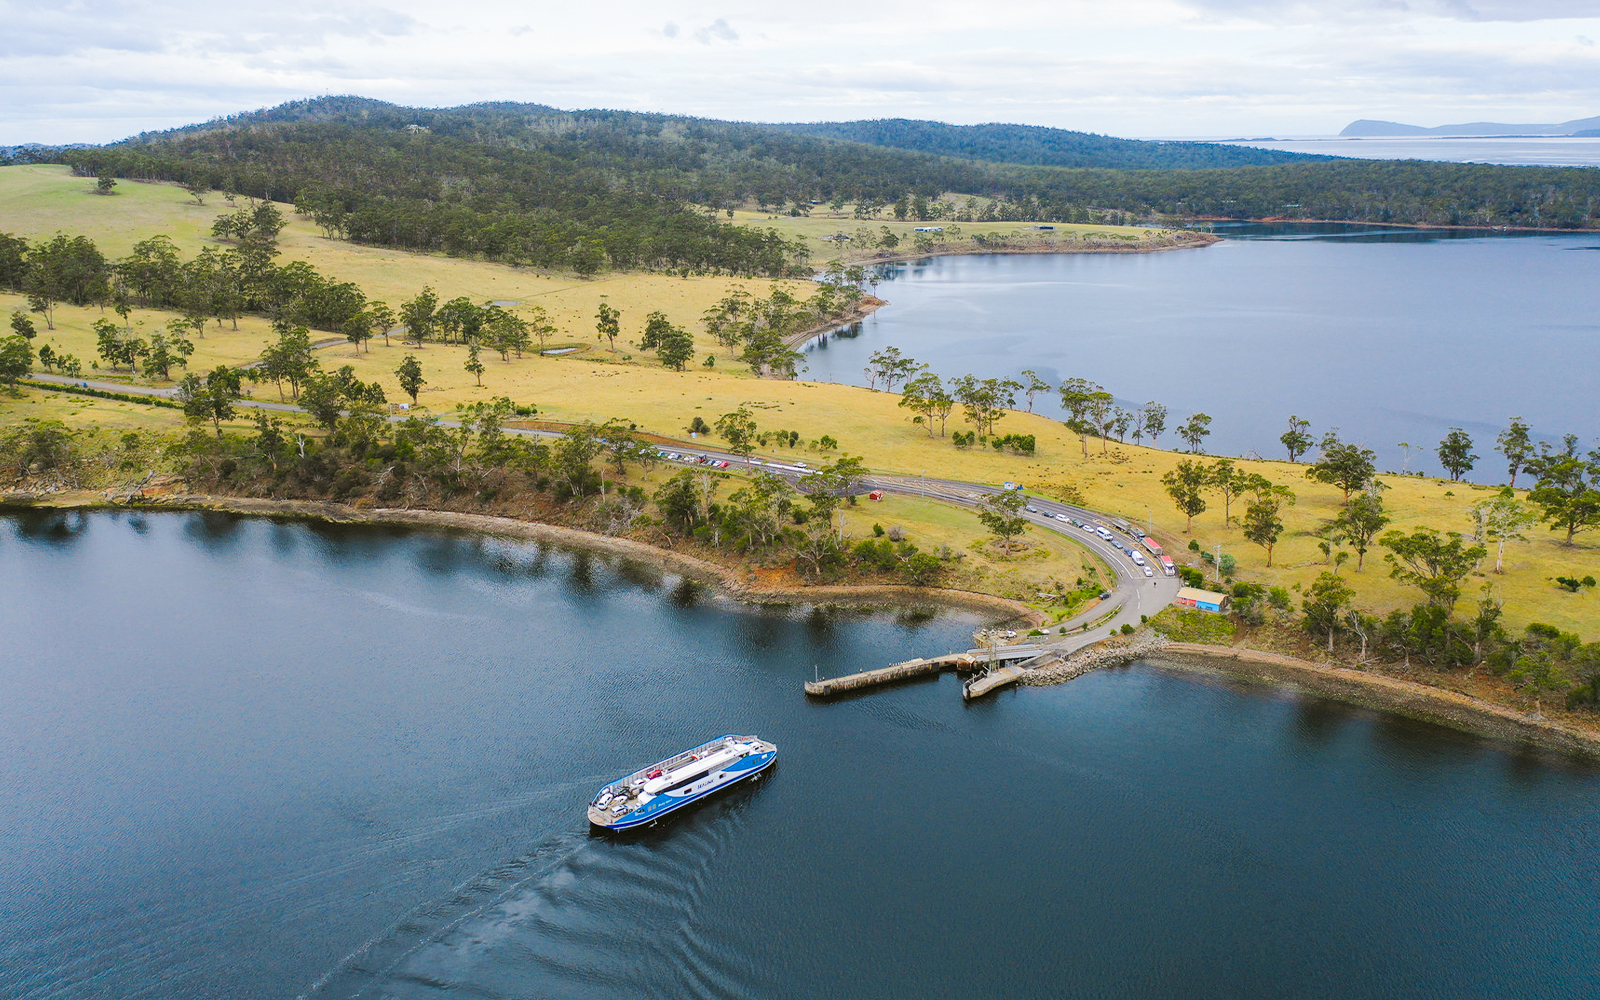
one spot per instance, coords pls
(1368, 128)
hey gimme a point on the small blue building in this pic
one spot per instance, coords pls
(1205, 600)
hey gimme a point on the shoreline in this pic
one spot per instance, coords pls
(868, 305)
(1413, 700)
(729, 581)
(1382, 692)
(1274, 220)
(802, 337)
(1193, 241)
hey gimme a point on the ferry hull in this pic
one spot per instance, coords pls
(717, 772)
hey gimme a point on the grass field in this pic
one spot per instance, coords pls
(811, 229)
(39, 201)
(1041, 561)
(594, 384)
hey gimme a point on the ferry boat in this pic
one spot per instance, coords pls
(651, 792)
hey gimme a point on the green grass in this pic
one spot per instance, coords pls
(1121, 480)
(1182, 625)
(957, 236)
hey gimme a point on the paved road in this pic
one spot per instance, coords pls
(1133, 596)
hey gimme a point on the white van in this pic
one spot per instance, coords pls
(1103, 532)
(1136, 556)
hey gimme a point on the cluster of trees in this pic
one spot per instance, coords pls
(760, 331)
(490, 181)
(1566, 490)
(479, 463)
(219, 284)
(1543, 659)
(1045, 147)
(16, 352)
(1190, 481)
(424, 317)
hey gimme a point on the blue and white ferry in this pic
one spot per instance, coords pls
(651, 792)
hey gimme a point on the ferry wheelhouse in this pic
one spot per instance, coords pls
(651, 792)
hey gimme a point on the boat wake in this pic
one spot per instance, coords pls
(581, 915)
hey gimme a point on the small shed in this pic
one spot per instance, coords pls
(1205, 600)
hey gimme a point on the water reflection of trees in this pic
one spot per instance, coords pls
(60, 528)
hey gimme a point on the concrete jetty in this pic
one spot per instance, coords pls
(994, 679)
(905, 670)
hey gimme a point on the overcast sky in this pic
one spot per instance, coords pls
(99, 70)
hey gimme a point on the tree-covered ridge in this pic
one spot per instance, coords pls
(1034, 145)
(592, 190)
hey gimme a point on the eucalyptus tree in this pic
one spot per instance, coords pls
(1100, 409)
(1077, 396)
(1360, 522)
(1155, 421)
(1347, 466)
(1295, 440)
(1121, 420)
(608, 323)
(1568, 488)
(1262, 523)
(1186, 484)
(211, 397)
(409, 375)
(1501, 519)
(1032, 385)
(926, 396)
(1432, 562)
(1517, 446)
(1002, 514)
(418, 313)
(1455, 454)
(1195, 431)
(382, 319)
(738, 428)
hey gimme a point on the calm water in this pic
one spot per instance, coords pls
(1517, 151)
(245, 759)
(1390, 336)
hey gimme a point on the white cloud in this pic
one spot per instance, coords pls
(718, 30)
(93, 70)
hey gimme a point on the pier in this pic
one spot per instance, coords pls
(905, 670)
(1005, 658)
(994, 679)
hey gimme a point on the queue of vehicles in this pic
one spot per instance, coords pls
(1131, 548)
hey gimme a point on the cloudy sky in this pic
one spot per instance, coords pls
(98, 70)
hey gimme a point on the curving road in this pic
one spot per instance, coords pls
(1133, 596)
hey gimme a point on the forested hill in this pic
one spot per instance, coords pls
(596, 189)
(1037, 146)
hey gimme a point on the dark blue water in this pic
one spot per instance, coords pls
(1391, 336)
(246, 759)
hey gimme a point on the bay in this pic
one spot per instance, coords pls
(1389, 335)
(247, 758)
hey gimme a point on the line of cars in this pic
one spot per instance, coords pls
(689, 459)
(1137, 540)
